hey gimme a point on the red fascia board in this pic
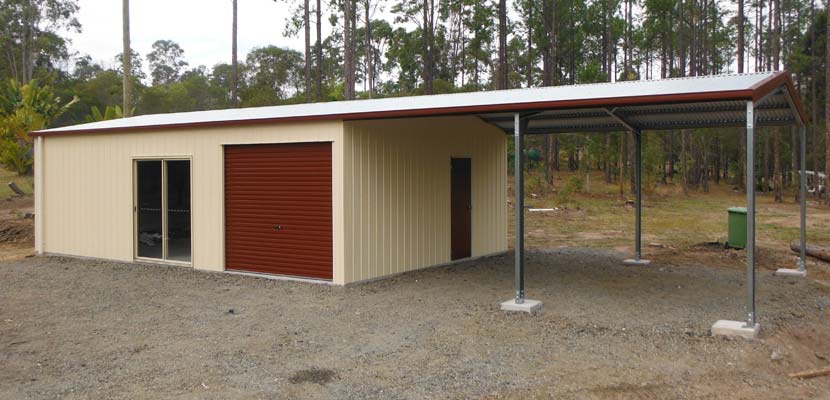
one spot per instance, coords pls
(748, 94)
(778, 80)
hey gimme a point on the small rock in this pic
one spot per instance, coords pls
(822, 357)
(231, 311)
(776, 355)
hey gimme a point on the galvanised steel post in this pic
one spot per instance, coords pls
(803, 183)
(638, 247)
(750, 213)
(519, 183)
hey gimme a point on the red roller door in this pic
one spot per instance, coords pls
(278, 209)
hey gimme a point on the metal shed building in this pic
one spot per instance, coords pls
(356, 190)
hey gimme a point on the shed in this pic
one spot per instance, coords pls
(355, 190)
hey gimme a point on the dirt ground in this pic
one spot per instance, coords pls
(77, 329)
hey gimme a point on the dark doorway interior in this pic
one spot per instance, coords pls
(461, 208)
(163, 209)
(178, 210)
(149, 209)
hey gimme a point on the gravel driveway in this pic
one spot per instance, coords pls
(74, 328)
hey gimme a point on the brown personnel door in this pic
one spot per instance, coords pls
(278, 209)
(461, 208)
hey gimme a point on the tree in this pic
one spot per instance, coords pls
(318, 48)
(166, 61)
(422, 14)
(110, 112)
(274, 75)
(301, 20)
(501, 81)
(234, 60)
(126, 65)
(826, 101)
(348, 50)
(307, 37)
(741, 22)
(23, 109)
(29, 35)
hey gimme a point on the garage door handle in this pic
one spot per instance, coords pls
(278, 227)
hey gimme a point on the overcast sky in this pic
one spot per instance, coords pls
(201, 27)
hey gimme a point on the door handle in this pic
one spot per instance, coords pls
(278, 227)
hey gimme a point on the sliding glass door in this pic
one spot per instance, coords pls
(162, 210)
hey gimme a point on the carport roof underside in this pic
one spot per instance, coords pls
(680, 103)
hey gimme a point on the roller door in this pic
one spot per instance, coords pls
(278, 209)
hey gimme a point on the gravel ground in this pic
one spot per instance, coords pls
(76, 329)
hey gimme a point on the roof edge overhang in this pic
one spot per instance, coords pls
(781, 79)
(755, 93)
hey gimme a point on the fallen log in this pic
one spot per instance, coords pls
(811, 373)
(16, 189)
(822, 253)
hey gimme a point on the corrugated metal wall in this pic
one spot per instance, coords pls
(397, 192)
(88, 186)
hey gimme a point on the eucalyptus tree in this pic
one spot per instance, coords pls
(422, 13)
(234, 59)
(30, 35)
(126, 59)
(166, 61)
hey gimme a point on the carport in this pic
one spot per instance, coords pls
(746, 101)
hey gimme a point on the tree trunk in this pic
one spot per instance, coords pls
(234, 59)
(307, 29)
(530, 60)
(813, 94)
(632, 166)
(608, 159)
(318, 48)
(126, 59)
(501, 81)
(766, 163)
(547, 43)
(683, 164)
(776, 60)
(741, 39)
(827, 106)
(555, 142)
(348, 51)
(370, 69)
(428, 28)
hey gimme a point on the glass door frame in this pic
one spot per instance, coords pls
(164, 217)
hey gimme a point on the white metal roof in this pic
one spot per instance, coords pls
(576, 103)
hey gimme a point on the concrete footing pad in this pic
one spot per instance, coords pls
(529, 306)
(735, 329)
(790, 272)
(633, 262)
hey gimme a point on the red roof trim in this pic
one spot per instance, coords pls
(775, 81)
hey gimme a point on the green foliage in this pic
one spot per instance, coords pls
(24, 109)
(166, 61)
(574, 184)
(111, 112)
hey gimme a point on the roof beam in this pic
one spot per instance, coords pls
(621, 120)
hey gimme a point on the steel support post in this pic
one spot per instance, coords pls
(750, 214)
(803, 199)
(638, 245)
(519, 183)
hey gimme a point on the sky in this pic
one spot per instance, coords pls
(201, 27)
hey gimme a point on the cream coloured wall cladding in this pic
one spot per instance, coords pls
(397, 192)
(88, 193)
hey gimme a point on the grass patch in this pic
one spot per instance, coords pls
(26, 183)
(601, 218)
